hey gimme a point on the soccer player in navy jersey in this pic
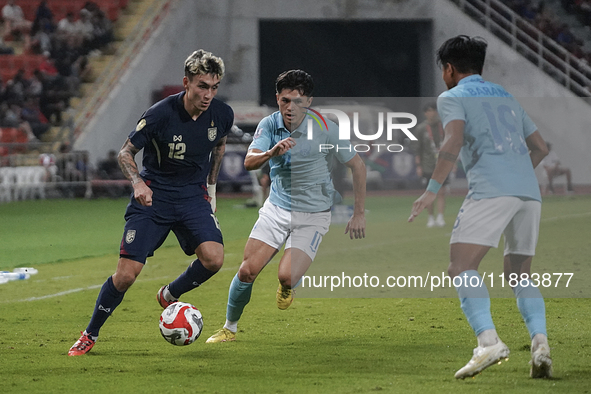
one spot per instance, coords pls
(183, 138)
(499, 146)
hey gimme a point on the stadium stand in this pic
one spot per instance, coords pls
(33, 83)
(538, 34)
(32, 77)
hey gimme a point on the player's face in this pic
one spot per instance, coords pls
(292, 107)
(447, 75)
(200, 90)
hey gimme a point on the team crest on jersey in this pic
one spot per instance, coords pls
(212, 132)
(141, 124)
(130, 236)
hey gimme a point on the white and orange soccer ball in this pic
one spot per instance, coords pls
(181, 324)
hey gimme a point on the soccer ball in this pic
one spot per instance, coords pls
(181, 324)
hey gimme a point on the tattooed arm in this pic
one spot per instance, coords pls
(217, 154)
(126, 158)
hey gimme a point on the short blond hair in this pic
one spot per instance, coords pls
(202, 62)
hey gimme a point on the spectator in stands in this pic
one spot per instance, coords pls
(54, 97)
(43, 19)
(15, 88)
(67, 26)
(8, 117)
(585, 8)
(4, 49)
(48, 161)
(15, 22)
(554, 168)
(65, 58)
(41, 40)
(35, 87)
(31, 113)
(85, 29)
(103, 31)
(109, 167)
(91, 7)
(47, 66)
(565, 37)
(82, 69)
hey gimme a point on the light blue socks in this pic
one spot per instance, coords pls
(475, 301)
(531, 305)
(238, 297)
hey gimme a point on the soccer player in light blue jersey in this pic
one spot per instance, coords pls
(499, 146)
(297, 212)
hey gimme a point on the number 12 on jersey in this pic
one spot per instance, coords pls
(177, 151)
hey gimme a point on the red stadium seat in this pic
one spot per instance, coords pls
(18, 62)
(6, 62)
(33, 62)
(61, 7)
(6, 75)
(8, 135)
(29, 9)
(21, 137)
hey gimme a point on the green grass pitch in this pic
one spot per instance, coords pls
(353, 340)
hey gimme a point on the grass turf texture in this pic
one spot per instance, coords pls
(347, 345)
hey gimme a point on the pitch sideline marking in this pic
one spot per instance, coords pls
(61, 293)
(79, 289)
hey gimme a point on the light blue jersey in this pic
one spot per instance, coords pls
(494, 153)
(300, 179)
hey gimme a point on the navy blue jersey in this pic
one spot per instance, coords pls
(177, 149)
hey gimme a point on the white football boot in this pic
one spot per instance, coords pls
(541, 363)
(483, 358)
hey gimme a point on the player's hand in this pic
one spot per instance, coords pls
(356, 227)
(143, 194)
(421, 203)
(282, 146)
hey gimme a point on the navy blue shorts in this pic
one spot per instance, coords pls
(146, 228)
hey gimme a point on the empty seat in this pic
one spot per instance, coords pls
(7, 182)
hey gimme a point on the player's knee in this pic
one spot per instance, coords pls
(246, 273)
(213, 263)
(123, 280)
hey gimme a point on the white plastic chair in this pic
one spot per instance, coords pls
(37, 176)
(7, 182)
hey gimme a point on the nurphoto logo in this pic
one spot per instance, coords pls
(392, 122)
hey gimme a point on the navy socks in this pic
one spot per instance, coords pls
(108, 299)
(195, 275)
